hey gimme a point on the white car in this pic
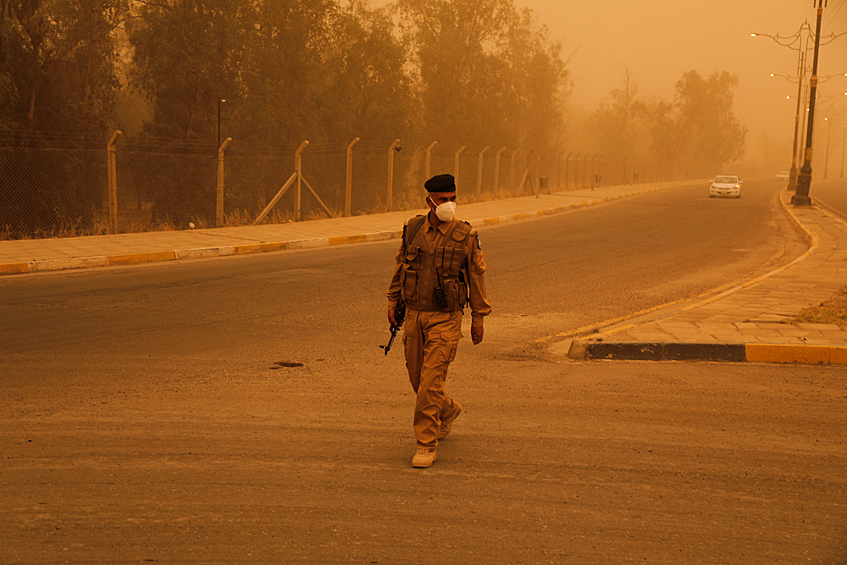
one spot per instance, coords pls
(782, 175)
(725, 185)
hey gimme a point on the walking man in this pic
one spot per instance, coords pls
(440, 269)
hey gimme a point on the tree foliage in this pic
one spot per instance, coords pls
(57, 63)
(368, 92)
(700, 129)
(485, 73)
(186, 55)
(697, 132)
(620, 125)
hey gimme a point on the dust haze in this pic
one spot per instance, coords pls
(575, 93)
(658, 40)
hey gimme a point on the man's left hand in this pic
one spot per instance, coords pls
(476, 335)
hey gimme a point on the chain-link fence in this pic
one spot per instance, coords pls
(54, 185)
(50, 185)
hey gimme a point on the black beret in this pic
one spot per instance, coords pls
(441, 183)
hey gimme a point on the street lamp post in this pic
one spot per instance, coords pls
(792, 178)
(802, 185)
(802, 48)
(843, 143)
(804, 180)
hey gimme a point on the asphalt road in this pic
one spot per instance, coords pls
(238, 410)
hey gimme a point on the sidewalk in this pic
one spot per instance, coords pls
(37, 255)
(750, 322)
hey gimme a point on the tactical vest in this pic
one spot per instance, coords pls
(424, 270)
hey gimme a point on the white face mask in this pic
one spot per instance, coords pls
(445, 210)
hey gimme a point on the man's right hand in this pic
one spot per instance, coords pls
(391, 318)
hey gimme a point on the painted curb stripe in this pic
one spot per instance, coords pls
(736, 352)
(308, 243)
(136, 258)
(345, 239)
(12, 268)
(69, 263)
(204, 252)
(666, 351)
(808, 354)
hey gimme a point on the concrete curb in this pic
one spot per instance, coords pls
(313, 243)
(735, 352)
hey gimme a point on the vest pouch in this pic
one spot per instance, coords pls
(442, 258)
(412, 253)
(409, 286)
(453, 291)
(457, 260)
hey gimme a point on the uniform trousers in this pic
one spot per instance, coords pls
(430, 340)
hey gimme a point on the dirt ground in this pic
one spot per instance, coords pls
(552, 462)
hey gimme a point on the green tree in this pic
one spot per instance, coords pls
(621, 124)
(366, 91)
(57, 62)
(454, 44)
(485, 73)
(703, 128)
(539, 83)
(188, 54)
(284, 74)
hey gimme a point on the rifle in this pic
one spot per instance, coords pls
(399, 316)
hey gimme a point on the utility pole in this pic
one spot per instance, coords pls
(804, 180)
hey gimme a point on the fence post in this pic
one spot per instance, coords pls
(559, 169)
(576, 171)
(298, 168)
(595, 170)
(456, 164)
(526, 176)
(497, 170)
(512, 185)
(348, 192)
(567, 168)
(113, 182)
(390, 189)
(538, 170)
(219, 207)
(428, 162)
(479, 170)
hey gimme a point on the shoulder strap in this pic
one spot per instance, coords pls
(415, 224)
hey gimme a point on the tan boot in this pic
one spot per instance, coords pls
(423, 458)
(447, 423)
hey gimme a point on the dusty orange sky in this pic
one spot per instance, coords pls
(658, 40)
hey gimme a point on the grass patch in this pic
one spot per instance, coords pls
(833, 311)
